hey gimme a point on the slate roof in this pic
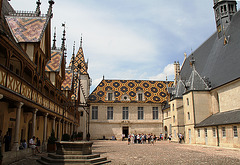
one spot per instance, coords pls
(54, 64)
(27, 29)
(216, 61)
(67, 83)
(79, 62)
(223, 118)
(154, 91)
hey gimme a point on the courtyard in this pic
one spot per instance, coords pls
(162, 152)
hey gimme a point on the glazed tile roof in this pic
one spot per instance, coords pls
(154, 91)
(76, 88)
(67, 83)
(79, 62)
(26, 29)
(54, 64)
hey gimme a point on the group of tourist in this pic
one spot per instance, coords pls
(142, 138)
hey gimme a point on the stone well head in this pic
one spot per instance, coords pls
(74, 148)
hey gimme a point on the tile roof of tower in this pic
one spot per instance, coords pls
(54, 64)
(154, 91)
(67, 83)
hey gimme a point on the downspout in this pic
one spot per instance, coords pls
(217, 137)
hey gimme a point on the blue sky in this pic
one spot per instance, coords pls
(131, 39)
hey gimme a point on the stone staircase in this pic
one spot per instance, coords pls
(56, 159)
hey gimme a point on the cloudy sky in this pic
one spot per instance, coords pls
(130, 39)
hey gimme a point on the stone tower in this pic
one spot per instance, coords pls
(224, 10)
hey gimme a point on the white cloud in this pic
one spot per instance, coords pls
(168, 71)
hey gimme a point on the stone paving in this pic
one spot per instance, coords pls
(162, 152)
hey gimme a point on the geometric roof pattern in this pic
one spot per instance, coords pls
(79, 62)
(154, 91)
(26, 29)
(67, 83)
(54, 64)
(76, 88)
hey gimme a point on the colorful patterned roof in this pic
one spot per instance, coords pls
(67, 83)
(76, 88)
(79, 62)
(54, 64)
(154, 91)
(26, 29)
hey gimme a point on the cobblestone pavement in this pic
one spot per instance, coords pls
(165, 153)
(161, 153)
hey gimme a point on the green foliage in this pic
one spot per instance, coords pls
(66, 137)
(52, 139)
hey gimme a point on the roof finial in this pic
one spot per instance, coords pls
(81, 41)
(38, 11)
(54, 39)
(50, 14)
(63, 38)
(103, 77)
(73, 57)
(192, 62)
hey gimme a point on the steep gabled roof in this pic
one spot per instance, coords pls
(27, 29)
(75, 88)
(67, 83)
(196, 82)
(216, 61)
(79, 62)
(54, 64)
(180, 89)
(154, 91)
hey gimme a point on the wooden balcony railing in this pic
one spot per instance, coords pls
(18, 85)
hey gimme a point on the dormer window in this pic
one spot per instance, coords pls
(125, 97)
(140, 96)
(110, 96)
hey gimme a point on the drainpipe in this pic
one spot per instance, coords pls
(217, 137)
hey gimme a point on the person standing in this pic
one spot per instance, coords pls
(170, 138)
(7, 141)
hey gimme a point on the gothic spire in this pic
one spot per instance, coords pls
(54, 39)
(73, 57)
(38, 11)
(63, 38)
(81, 42)
(49, 13)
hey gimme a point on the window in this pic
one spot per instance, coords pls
(140, 98)
(223, 132)
(214, 132)
(110, 113)
(187, 101)
(94, 112)
(188, 115)
(140, 113)
(205, 130)
(125, 113)
(174, 119)
(199, 132)
(173, 107)
(235, 133)
(110, 96)
(155, 113)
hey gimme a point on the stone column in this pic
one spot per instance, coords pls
(34, 121)
(54, 123)
(63, 129)
(72, 128)
(59, 129)
(17, 126)
(45, 129)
